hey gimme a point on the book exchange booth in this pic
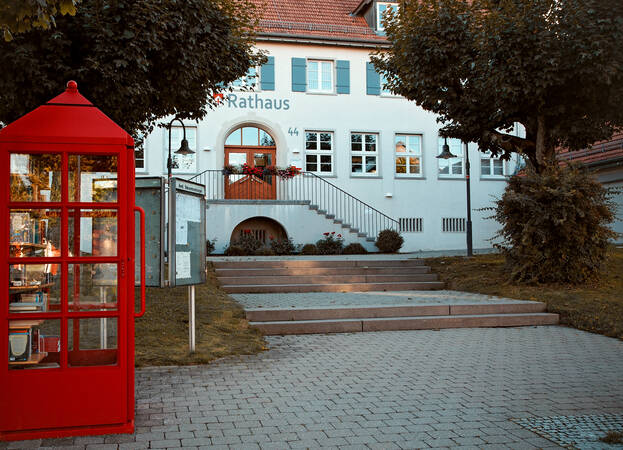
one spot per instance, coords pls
(68, 246)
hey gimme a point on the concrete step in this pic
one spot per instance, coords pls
(260, 272)
(405, 323)
(326, 279)
(371, 312)
(320, 263)
(343, 287)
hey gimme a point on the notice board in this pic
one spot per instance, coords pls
(187, 233)
(150, 195)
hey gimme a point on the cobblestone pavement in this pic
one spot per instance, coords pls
(341, 299)
(409, 389)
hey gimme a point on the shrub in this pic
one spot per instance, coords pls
(354, 249)
(234, 250)
(554, 226)
(282, 246)
(210, 246)
(265, 252)
(248, 242)
(309, 249)
(330, 244)
(389, 241)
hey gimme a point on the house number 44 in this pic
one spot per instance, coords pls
(293, 131)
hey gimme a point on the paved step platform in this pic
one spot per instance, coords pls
(317, 312)
(333, 287)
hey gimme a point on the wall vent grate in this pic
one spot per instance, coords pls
(410, 224)
(453, 224)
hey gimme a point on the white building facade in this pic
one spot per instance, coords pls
(368, 157)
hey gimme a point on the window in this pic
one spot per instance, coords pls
(381, 9)
(250, 80)
(182, 163)
(320, 76)
(491, 167)
(452, 167)
(249, 136)
(364, 154)
(385, 90)
(408, 156)
(139, 157)
(319, 152)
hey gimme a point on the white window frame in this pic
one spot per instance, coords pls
(144, 158)
(177, 134)
(321, 76)
(491, 161)
(456, 148)
(365, 154)
(407, 154)
(379, 17)
(251, 80)
(319, 153)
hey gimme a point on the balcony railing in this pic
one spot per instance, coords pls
(321, 195)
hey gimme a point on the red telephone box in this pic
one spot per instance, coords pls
(67, 311)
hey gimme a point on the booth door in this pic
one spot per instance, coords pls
(68, 272)
(250, 187)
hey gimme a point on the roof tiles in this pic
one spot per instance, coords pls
(600, 152)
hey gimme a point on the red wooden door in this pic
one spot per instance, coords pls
(251, 187)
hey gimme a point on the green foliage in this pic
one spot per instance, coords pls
(17, 16)
(389, 241)
(282, 246)
(330, 244)
(137, 60)
(354, 248)
(210, 246)
(309, 249)
(247, 242)
(265, 252)
(234, 250)
(555, 66)
(554, 226)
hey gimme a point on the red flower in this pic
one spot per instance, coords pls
(333, 232)
(271, 237)
(326, 234)
(339, 235)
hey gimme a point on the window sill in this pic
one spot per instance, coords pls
(451, 177)
(321, 93)
(495, 178)
(374, 176)
(409, 177)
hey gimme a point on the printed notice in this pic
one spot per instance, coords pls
(181, 232)
(182, 265)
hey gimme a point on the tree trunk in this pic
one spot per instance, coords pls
(544, 151)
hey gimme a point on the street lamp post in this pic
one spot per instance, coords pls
(447, 154)
(183, 150)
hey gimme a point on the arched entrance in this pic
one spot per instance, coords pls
(253, 148)
(262, 228)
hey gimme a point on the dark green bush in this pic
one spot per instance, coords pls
(248, 242)
(309, 249)
(282, 246)
(265, 252)
(234, 250)
(330, 244)
(354, 249)
(210, 246)
(389, 241)
(554, 226)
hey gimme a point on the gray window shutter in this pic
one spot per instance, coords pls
(373, 80)
(267, 75)
(299, 74)
(343, 77)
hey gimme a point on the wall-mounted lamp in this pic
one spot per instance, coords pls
(389, 195)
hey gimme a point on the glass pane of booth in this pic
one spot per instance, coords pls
(34, 344)
(92, 287)
(93, 178)
(35, 178)
(34, 288)
(92, 232)
(34, 233)
(92, 341)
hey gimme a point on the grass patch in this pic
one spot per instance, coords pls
(595, 307)
(613, 437)
(221, 327)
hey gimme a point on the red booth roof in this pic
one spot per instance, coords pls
(67, 118)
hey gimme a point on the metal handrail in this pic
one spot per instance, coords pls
(330, 200)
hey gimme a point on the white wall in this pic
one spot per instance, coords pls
(429, 196)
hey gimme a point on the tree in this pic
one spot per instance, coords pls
(555, 66)
(17, 16)
(137, 60)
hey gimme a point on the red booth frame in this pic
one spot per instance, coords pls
(69, 400)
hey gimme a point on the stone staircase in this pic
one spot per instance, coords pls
(325, 275)
(281, 321)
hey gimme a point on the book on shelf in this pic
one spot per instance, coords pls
(21, 307)
(20, 344)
